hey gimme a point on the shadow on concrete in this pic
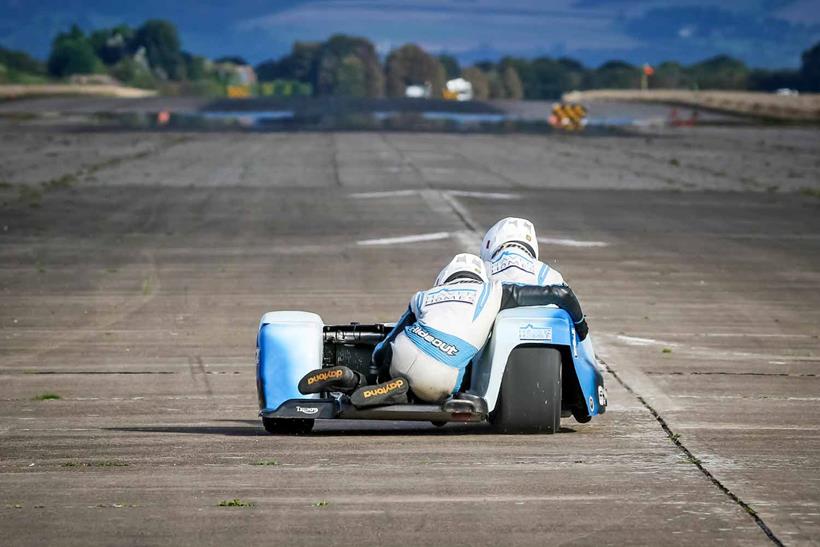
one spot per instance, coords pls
(337, 428)
(195, 430)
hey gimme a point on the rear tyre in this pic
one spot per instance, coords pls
(279, 426)
(530, 396)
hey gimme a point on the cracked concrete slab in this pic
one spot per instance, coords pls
(135, 297)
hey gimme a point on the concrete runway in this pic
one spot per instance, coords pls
(134, 267)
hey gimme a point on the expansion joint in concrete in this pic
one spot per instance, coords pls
(88, 170)
(405, 160)
(675, 439)
(334, 156)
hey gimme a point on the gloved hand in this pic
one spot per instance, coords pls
(582, 329)
(379, 354)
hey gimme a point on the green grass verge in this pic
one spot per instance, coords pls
(48, 396)
(236, 502)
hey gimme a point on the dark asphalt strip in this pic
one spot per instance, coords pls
(675, 438)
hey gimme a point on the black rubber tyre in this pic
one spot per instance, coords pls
(295, 426)
(581, 418)
(438, 423)
(530, 395)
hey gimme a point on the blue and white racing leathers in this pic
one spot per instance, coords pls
(442, 330)
(514, 265)
(444, 327)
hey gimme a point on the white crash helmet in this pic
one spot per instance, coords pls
(509, 230)
(464, 265)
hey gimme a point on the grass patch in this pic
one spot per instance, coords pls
(22, 116)
(65, 181)
(30, 195)
(321, 504)
(4, 184)
(674, 162)
(98, 463)
(48, 396)
(811, 192)
(109, 463)
(266, 462)
(147, 286)
(666, 350)
(236, 502)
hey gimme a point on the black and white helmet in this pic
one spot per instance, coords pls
(463, 266)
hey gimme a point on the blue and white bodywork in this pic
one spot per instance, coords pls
(545, 326)
(290, 344)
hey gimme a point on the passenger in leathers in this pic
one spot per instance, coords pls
(445, 326)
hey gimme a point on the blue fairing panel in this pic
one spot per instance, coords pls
(289, 345)
(590, 377)
(549, 326)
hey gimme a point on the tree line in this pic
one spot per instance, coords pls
(349, 66)
(151, 55)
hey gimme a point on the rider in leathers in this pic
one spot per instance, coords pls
(510, 252)
(445, 326)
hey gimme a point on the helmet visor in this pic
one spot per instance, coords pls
(521, 244)
(463, 275)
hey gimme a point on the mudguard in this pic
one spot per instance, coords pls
(288, 346)
(537, 325)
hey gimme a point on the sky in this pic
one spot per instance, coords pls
(763, 33)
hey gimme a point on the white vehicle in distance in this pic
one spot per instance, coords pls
(458, 89)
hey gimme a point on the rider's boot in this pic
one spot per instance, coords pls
(391, 392)
(340, 379)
